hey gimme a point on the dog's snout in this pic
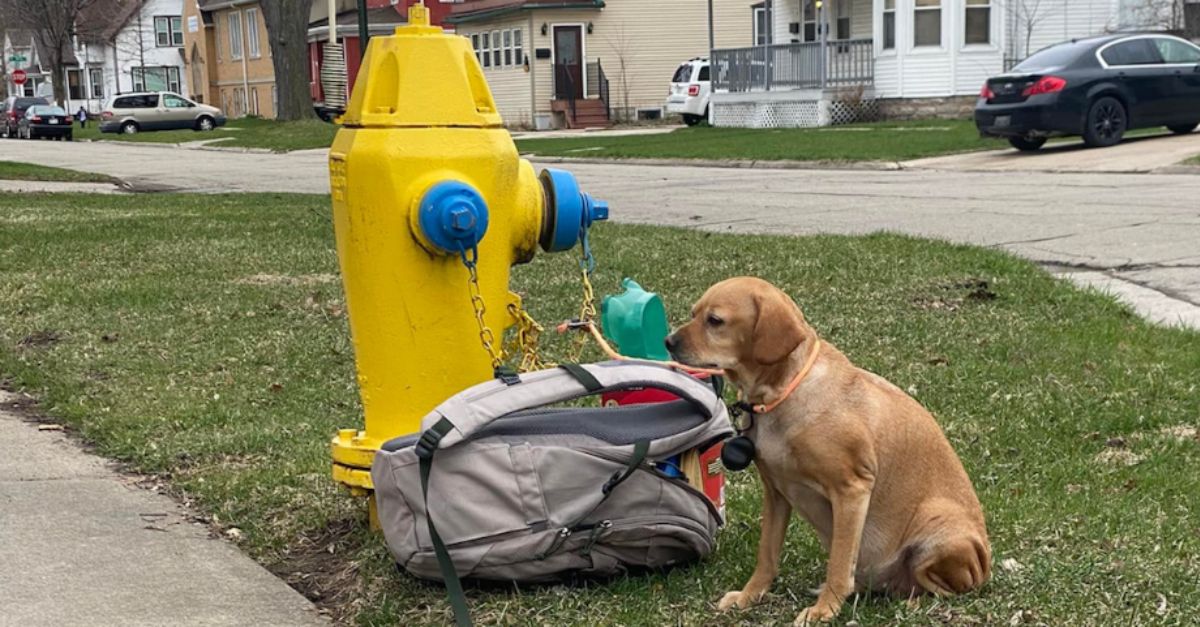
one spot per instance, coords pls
(671, 342)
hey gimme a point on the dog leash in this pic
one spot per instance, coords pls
(613, 354)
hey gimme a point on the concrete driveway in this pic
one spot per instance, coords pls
(1139, 154)
(1134, 234)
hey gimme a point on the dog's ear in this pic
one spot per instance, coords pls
(777, 331)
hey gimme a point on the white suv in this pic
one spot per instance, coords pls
(690, 89)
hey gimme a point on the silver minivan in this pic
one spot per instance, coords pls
(157, 111)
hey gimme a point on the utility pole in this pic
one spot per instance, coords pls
(364, 33)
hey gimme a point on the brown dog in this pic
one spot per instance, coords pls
(860, 460)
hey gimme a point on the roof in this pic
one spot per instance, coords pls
(382, 19)
(212, 5)
(43, 52)
(103, 20)
(482, 10)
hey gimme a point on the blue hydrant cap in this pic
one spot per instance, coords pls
(569, 210)
(453, 216)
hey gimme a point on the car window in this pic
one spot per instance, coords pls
(683, 74)
(703, 73)
(53, 111)
(1057, 56)
(1132, 52)
(147, 101)
(1175, 51)
(171, 101)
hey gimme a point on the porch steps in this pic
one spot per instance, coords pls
(588, 113)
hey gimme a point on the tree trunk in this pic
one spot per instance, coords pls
(287, 32)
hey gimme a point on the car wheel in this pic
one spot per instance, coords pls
(1183, 129)
(130, 128)
(691, 120)
(1027, 144)
(1106, 122)
(205, 124)
(69, 138)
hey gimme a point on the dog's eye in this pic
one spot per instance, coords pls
(714, 321)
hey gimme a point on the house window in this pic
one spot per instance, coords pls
(97, 76)
(252, 47)
(518, 52)
(810, 20)
(927, 23)
(979, 22)
(487, 50)
(162, 78)
(762, 34)
(475, 47)
(508, 47)
(253, 101)
(75, 90)
(889, 24)
(168, 31)
(841, 9)
(235, 35)
(496, 48)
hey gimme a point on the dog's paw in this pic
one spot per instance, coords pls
(737, 599)
(816, 614)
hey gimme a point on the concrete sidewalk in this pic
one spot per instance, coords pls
(81, 544)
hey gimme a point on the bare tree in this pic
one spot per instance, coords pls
(287, 31)
(53, 24)
(1165, 15)
(622, 49)
(1027, 15)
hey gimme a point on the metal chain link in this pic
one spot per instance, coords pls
(587, 309)
(527, 340)
(486, 337)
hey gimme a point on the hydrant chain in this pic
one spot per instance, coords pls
(486, 337)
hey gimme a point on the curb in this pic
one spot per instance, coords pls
(733, 163)
(200, 144)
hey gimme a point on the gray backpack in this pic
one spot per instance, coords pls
(498, 486)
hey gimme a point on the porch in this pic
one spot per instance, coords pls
(794, 85)
(582, 95)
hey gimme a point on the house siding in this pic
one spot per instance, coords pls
(652, 37)
(510, 84)
(237, 89)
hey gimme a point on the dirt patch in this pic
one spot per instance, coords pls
(40, 339)
(955, 295)
(318, 568)
(1119, 457)
(283, 279)
(1181, 432)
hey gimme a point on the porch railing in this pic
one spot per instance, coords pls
(602, 83)
(564, 85)
(794, 66)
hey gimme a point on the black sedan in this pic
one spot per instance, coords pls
(45, 121)
(1098, 88)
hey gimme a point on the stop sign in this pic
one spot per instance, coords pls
(18, 77)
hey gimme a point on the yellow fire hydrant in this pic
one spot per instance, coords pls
(430, 199)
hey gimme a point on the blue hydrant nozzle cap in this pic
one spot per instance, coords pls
(568, 210)
(453, 216)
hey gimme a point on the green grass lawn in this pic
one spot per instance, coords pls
(884, 141)
(17, 171)
(239, 133)
(1193, 161)
(203, 339)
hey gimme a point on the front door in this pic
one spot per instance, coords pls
(568, 62)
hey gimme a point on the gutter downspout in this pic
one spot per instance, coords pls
(531, 59)
(245, 53)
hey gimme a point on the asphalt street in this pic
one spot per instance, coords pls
(1136, 234)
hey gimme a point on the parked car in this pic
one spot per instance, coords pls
(690, 91)
(1099, 88)
(157, 111)
(12, 112)
(42, 121)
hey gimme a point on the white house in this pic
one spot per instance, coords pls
(901, 57)
(120, 46)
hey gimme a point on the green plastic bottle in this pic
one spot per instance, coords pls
(636, 322)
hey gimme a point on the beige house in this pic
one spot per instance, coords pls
(606, 59)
